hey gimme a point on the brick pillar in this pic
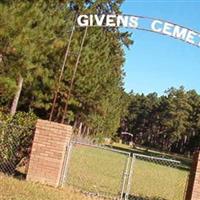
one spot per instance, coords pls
(193, 190)
(48, 150)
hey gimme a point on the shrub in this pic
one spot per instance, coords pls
(16, 135)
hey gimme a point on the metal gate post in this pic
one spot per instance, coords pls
(66, 163)
(125, 176)
(130, 177)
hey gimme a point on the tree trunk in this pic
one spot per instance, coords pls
(84, 130)
(88, 131)
(80, 129)
(17, 95)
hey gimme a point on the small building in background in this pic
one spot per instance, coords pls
(127, 138)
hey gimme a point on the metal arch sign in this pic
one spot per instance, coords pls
(141, 23)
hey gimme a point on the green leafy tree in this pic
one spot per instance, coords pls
(34, 37)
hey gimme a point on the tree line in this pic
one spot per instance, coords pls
(170, 122)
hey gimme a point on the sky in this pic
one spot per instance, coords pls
(156, 62)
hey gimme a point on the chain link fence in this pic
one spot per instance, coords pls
(15, 147)
(97, 170)
(153, 178)
(117, 174)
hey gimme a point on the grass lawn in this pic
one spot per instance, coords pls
(158, 181)
(14, 189)
(96, 170)
(100, 171)
(186, 162)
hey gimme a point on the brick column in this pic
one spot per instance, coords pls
(48, 150)
(193, 190)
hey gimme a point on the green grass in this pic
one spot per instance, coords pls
(14, 189)
(100, 171)
(186, 161)
(96, 170)
(158, 181)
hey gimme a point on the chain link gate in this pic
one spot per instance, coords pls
(96, 170)
(154, 178)
(115, 174)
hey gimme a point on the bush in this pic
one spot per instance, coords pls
(16, 135)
